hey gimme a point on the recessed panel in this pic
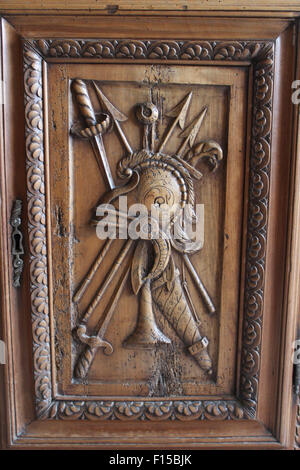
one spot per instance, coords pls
(153, 157)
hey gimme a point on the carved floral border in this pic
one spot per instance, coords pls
(261, 54)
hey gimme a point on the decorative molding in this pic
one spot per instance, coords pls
(257, 228)
(261, 55)
(147, 410)
(37, 227)
(151, 49)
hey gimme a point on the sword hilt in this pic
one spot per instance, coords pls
(84, 362)
(96, 124)
(83, 99)
(86, 357)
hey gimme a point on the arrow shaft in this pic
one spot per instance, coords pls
(182, 148)
(192, 170)
(101, 291)
(205, 296)
(86, 358)
(191, 136)
(89, 277)
(168, 134)
(116, 297)
(123, 138)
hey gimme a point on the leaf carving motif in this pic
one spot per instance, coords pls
(261, 55)
(37, 232)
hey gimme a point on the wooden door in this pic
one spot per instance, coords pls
(149, 263)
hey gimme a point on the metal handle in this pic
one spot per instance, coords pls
(17, 242)
(296, 371)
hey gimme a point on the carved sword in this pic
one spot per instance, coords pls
(95, 131)
(94, 342)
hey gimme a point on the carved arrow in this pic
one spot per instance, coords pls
(108, 279)
(179, 112)
(191, 131)
(115, 114)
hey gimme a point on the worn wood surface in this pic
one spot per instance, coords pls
(74, 26)
(218, 192)
(292, 298)
(193, 5)
(74, 185)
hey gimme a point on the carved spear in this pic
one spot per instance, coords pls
(205, 296)
(108, 279)
(91, 273)
(94, 342)
(115, 114)
(191, 132)
(179, 112)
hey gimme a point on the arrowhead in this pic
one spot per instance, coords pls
(116, 114)
(181, 110)
(192, 130)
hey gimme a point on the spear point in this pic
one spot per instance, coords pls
(180, 110)
(108, 106)
(179, 113)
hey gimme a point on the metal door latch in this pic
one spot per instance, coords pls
(17, 242)
(296, 371)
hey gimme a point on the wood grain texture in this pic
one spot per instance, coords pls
(156, 422)
(294, 300)
(13, 185)
(93, 5)
(262, 57)
(291, 431)
(110, 27)
(85, 251)
(153, 435)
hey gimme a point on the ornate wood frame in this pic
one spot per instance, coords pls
(261, 56)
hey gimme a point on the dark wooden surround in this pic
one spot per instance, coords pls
(60, 390)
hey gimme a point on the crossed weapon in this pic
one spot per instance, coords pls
(96, 126)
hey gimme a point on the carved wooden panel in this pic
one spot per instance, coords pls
(157, 214)
(166, 371)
